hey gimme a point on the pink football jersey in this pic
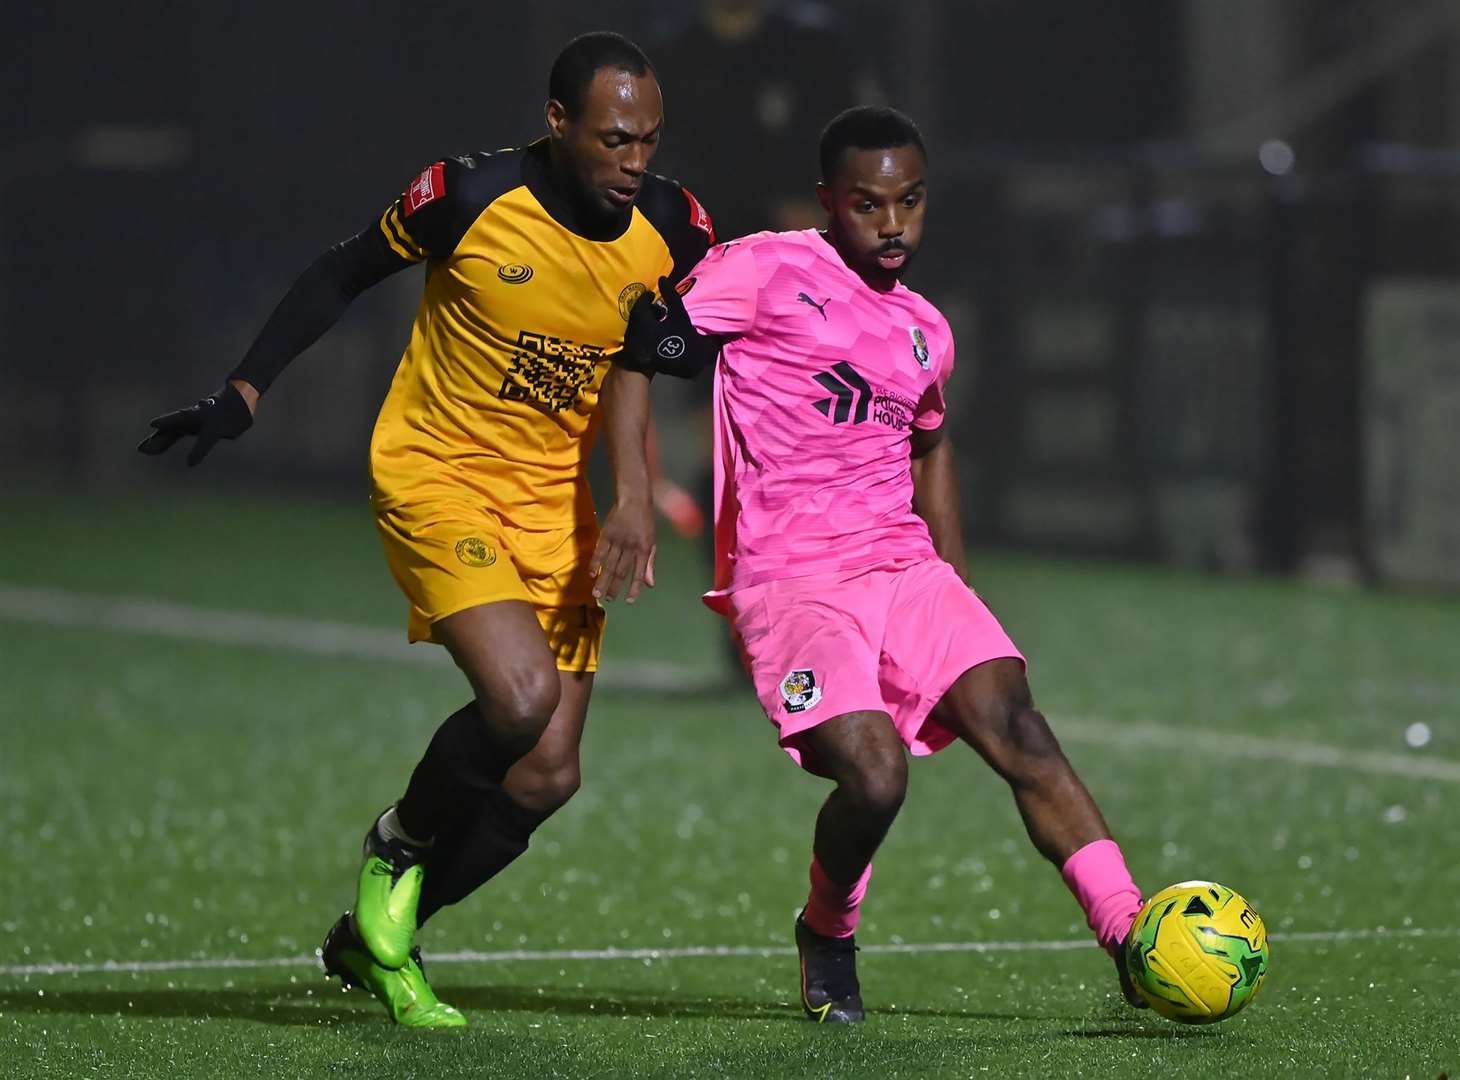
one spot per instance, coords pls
(820, 381)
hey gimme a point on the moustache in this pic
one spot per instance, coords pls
(891, 245)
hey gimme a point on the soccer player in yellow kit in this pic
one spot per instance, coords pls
(535, 256)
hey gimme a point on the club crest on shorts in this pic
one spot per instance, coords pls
(920, 346)
(474, 551)
(799, 691)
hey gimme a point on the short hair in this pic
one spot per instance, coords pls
(866, 127)
(584, 57)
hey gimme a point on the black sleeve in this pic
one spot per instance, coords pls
(316, 302)
(438, 206)
(427, 221)
(679, 218)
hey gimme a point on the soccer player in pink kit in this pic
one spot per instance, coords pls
(840, 557)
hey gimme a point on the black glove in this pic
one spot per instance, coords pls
(660, 337)
(224, 415)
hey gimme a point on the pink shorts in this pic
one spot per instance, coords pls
(888, 641)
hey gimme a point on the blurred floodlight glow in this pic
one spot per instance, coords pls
(132, 147)
(1277, 157)
(1417, 735)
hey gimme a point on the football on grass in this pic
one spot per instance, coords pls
(1197, 952)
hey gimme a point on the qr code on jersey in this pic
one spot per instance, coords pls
(549, 371)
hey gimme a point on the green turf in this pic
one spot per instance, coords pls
(169, 800)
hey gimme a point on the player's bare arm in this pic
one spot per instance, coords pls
(625, 551)
(935, 496)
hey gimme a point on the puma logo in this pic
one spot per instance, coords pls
(821, 307)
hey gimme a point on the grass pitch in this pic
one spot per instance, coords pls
(181, 807)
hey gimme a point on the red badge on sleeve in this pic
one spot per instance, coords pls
(699, 217)
(427, 187)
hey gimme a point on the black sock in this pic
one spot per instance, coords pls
(462, 763)
(480, 848)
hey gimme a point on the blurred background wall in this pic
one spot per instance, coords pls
(1202, 256)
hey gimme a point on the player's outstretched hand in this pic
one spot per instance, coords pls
(625, 551)
(661, 338)
(222, 415)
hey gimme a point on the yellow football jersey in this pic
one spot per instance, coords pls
(496, 397)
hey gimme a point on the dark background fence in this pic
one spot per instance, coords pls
(1203, 258)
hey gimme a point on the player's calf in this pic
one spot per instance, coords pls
(864, 755)
(495, 829)
(990, 707)
(462, 771)
(546, 779)
(496, 835)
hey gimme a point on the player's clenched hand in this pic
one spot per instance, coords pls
(625, 551)
(223, 415)
(661, 338)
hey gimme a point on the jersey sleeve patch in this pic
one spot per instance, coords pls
(426, 188)
(699, 217)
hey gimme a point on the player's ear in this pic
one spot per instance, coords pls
(556, 116)
(823, 195)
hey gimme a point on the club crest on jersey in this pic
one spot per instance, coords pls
(799, 691)
(920, 346)
(626, 299)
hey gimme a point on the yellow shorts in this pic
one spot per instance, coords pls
(447, 558)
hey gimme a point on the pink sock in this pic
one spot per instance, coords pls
(832, 909)
(1096, 874)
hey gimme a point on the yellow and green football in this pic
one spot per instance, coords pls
(1197, 952)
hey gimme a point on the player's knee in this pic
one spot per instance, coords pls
(1018, 743)
(519, 711)
(878, 783)
(1001, 722)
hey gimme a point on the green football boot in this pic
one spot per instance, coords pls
(386, 898)
(405, 993)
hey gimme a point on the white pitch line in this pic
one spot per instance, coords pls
(311, 637)
(1259, 748)
(353, 641)
(693, 952)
